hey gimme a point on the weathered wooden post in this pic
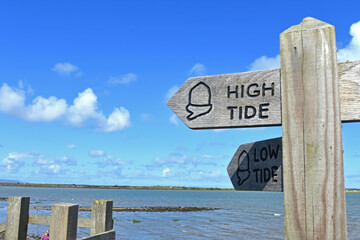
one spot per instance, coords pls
(314, 196)
(101, 216)
(64, 220)
(17, 218)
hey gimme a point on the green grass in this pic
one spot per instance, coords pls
(176, 220)
(136, 221)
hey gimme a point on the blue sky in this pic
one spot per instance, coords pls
(84, 85)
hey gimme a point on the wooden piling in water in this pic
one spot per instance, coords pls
(17, 218)
(101, 216)
(64, 220)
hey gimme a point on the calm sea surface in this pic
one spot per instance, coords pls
(242, 215)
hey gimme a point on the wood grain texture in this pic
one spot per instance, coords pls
(314, 194)
(101, 216)
(45, 220)
(219, 115)
(17, 218)
(39, 219)
(85, 223)
(349, 79)
(109, 235)
(64, 219)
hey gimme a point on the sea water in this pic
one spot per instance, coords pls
(239, 215)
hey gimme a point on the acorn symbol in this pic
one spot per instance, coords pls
(243, 171)
(199, 101)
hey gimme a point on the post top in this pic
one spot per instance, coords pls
(65, 204)
(308, 23)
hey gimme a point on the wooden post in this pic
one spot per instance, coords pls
(109, 235)
(64, 219)
(17, 218)
(314, 196)
(101, 216)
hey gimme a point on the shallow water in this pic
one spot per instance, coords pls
(242, 215)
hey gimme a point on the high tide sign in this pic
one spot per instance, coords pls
(251, 99)
(229, 100)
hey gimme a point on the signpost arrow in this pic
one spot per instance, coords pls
(257, 166)
(251, 99)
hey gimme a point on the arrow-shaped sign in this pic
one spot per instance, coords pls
(251, 99)
(257, 166)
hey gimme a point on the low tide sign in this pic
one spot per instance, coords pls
(257, 166)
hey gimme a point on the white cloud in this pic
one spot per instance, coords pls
(11, 100)
(111, 165)
(12, 163)
(174, 120)
(352, 51)
(124, 79)
(214, 174)
(15, 161)
(42, 161)
(54, 168)
(206, 156)
(71, 146)
(171, 92)
(65, 68)
(118, 120)
(45, 109)
(114, 161)
(83, 109)
(263, 63)
(67, 161)
(198, 70)
(96, 153)
(165, 172)
(175, 159)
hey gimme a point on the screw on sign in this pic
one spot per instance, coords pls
(257, 166)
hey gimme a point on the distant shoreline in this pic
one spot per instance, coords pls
(45, 185)
(126, 187)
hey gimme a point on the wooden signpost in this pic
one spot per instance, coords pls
(312, 97)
